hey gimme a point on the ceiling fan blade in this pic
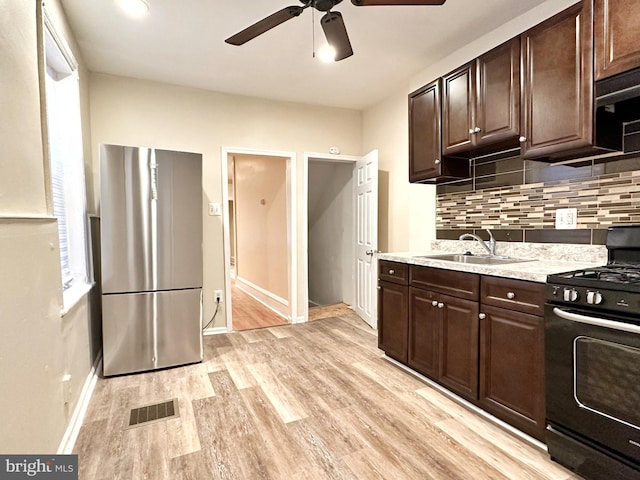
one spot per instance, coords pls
(366, 3)
(264, 25)
(336, 34)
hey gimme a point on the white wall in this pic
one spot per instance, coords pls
(38, 346)
(137, 112)
(331, 237)
(261, 222)
(407, 212)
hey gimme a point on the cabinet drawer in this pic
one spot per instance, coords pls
(393, 272)
(518, 295)
(450, 282)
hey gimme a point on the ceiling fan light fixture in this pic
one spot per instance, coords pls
(327, 54)
(134, 8)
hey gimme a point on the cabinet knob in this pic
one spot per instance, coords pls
(477, 130)
(522, 139)
(511, 295)
(471, 131)
(379, 287)
(434, 303)
(392, 271)
(440, 305)
(482, 316)
(437, 161)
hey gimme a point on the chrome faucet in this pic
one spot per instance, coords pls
(491, 248)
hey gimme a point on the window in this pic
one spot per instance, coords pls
(66, 164)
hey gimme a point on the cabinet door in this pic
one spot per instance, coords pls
(459, 346)
(393, 315)
(497, 116)
(424, 133)
(557, 83)
(512, 368)
(617, 37)
(458, 110)
(424, 332)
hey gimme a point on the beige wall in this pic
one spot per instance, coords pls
(137, 112)
(261, 222)
(38, 345)
(407, 212)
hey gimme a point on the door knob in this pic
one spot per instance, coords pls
(371, 252)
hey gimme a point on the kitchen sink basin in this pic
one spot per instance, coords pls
(475, 259)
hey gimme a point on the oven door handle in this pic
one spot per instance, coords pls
(599, 322)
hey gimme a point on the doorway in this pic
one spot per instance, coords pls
(340, 238)
(260, 266)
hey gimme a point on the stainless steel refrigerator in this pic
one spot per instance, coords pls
(151, 258)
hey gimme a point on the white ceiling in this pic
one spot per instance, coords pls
(182, 42)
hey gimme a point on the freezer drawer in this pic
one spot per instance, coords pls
(147, 331)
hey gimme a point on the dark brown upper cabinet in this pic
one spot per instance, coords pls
(425, 141)
(617, 37)
(557, 100)
(481, 105)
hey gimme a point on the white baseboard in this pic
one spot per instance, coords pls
(299, 319)
(270, 300)
(73, 428)
(215, 331)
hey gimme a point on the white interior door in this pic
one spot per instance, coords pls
(366, 208)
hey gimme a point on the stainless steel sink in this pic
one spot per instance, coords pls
(475, 259)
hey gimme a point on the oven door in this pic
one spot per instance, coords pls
(593, 378)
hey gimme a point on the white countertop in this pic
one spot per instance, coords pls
(545, 259)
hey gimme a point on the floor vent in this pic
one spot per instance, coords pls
(153, 413)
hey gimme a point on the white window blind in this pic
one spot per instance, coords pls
(66, 162)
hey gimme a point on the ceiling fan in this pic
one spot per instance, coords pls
(331, 22)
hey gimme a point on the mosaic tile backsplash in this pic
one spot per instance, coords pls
(517, 199)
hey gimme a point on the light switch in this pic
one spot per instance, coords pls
(215, 209)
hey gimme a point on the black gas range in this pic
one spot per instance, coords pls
(592, 363)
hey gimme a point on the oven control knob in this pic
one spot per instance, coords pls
(570, 295)
(594, 298)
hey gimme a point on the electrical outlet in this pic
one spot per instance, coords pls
(566, 218)
(215, 209)
(217, 296)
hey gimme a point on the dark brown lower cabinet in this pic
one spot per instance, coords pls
(459, 346)
(424, 332)
(393, 315)
(512, 368)
(443, 340)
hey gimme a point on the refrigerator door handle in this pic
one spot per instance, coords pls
(153, 167)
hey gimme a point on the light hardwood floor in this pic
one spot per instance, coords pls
(247, 313)
(305, 401)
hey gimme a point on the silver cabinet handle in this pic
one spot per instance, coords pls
(522, 139)
(437, 161)
(392, 271)
(598, 322)
(482, 316)
(511, 295)
(440, 305)
(434, 303)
